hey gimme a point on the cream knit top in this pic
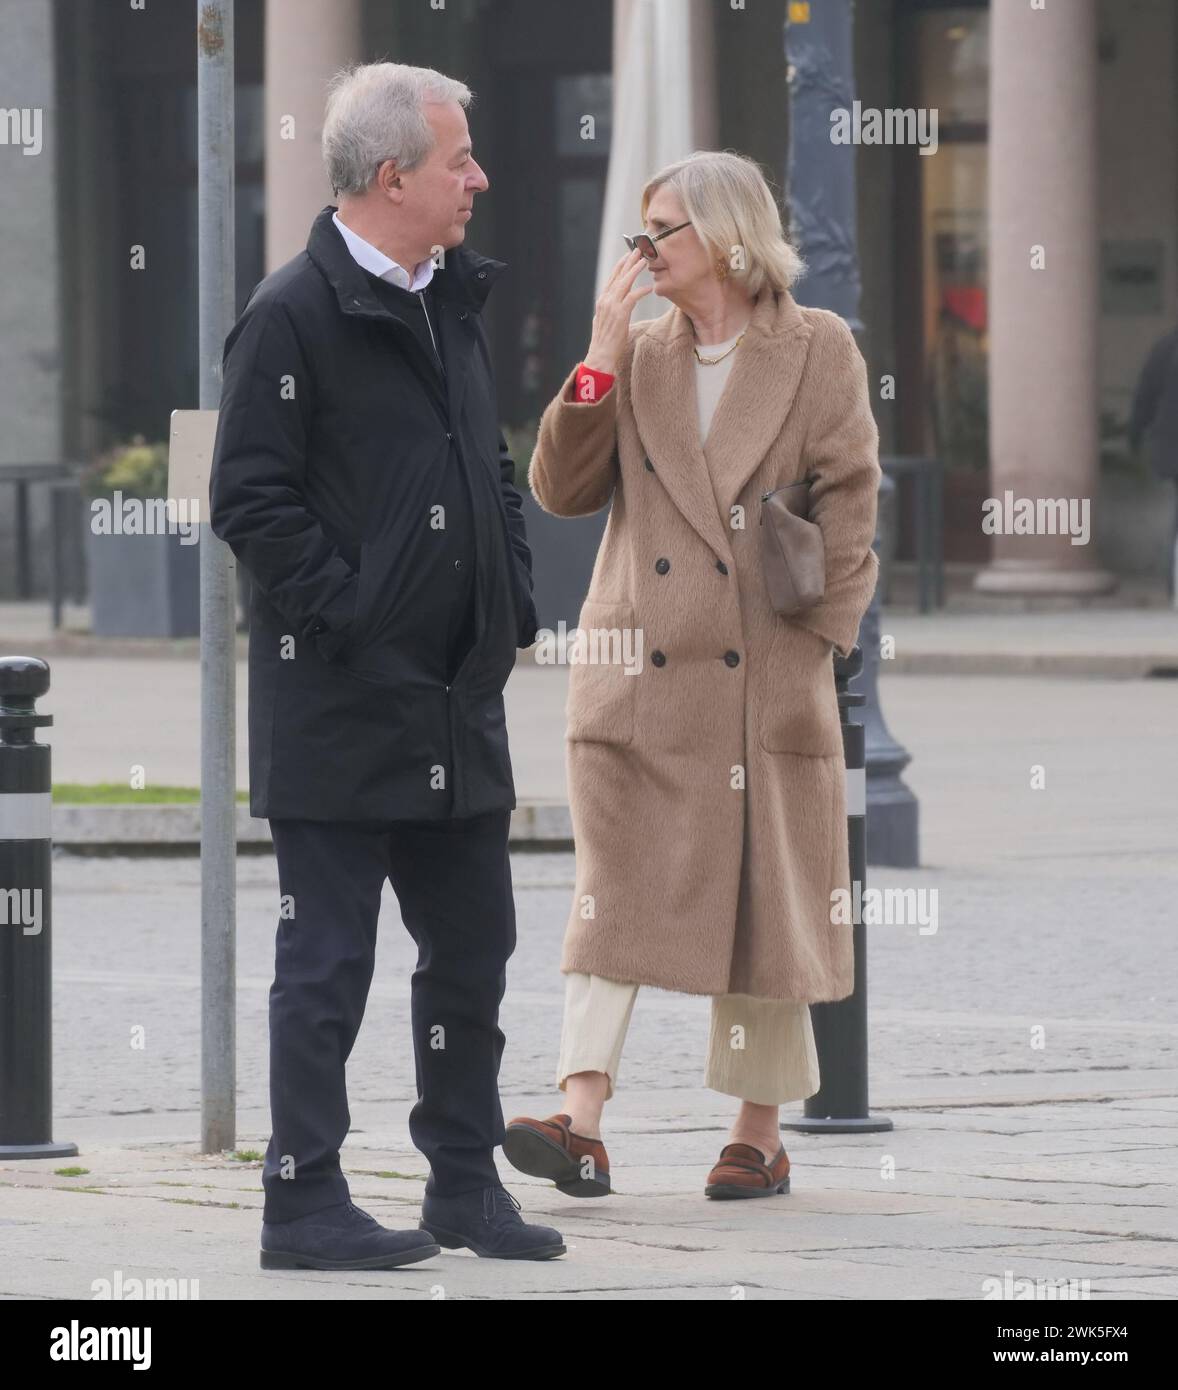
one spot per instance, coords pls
(710, 381)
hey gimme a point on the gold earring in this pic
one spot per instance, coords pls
(721, 268)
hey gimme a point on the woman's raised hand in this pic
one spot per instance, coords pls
(611, 318)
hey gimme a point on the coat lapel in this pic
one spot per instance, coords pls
(761, 386)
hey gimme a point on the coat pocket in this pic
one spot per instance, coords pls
(372, 654)
(363, 594)
(381, 591)
(602, 695)
(799, 703)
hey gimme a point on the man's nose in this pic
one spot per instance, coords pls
(482, 183)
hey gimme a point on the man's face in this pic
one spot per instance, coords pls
(441, 191)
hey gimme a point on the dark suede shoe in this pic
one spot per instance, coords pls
(341, 1237)
(488, 1222)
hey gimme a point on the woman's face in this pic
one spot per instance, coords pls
(683, 262)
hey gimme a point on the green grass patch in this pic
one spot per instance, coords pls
(380, 1173)
(119, 794)
(70, 1172)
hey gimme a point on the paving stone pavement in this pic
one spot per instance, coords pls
(1055, 913)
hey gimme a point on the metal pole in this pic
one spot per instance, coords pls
(840, 1105)
(218, 837)
(820, 78)
(26, 885)
(820, 74)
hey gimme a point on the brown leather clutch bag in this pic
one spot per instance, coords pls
(792, 552)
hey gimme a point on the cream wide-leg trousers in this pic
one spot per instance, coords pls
(761, 1050)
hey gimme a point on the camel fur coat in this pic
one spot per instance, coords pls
(705, 763)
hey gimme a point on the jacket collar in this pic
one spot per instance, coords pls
(465, 278)
(704, 480)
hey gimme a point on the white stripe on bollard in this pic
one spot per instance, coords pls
(26, 815)
(856, 791)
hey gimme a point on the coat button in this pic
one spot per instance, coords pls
(721, 566)
(662, 565)
(657, 658)
(461, 316)
(732, 658)
(457, 564)
(649, 466)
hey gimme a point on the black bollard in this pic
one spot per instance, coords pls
(26, 879)
(840, 1104)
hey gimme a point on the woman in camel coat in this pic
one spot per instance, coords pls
(705, 771)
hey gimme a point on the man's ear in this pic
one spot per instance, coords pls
(394, 181)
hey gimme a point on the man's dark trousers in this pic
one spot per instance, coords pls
(452, 879)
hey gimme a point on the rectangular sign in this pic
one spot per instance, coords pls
(190, 456)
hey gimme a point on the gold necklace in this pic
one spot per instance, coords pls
(711, 361)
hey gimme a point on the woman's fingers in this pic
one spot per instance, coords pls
(611, 318)
(618, 267)
(639, 292)
(617, 291)
(631, 261)
(634, 271)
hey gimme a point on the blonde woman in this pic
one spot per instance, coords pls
(706, 775)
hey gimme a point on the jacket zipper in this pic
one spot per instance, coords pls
(433, 340)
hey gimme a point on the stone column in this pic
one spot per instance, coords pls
(1043, 322)
(307, 41)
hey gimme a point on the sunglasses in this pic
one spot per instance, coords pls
(644, 242)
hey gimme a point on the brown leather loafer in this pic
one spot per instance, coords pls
(742, 1172)
(549, 1149)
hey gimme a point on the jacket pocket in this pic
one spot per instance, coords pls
(381, 593)
(602, 696)
(363, 595)
(799, 704)
(371, 653)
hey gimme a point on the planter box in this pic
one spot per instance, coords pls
(143, 586)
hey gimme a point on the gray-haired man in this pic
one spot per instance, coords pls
(361, 478)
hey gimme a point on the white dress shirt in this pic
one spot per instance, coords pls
(374, 260)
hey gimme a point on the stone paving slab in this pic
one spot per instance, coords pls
(952, 1217)
(1055, 916)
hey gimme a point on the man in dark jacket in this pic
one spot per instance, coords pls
(1153, 421)
(361, 478)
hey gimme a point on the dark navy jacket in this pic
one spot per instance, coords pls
(342, 461)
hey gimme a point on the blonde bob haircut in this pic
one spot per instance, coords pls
(735, 214)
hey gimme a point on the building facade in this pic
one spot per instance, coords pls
(1067, 139)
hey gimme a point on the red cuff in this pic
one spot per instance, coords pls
(599, 381)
